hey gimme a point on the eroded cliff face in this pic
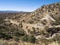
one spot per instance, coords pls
(43, 24)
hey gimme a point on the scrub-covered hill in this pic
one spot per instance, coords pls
(40, 27)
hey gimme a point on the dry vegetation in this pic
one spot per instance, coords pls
(40, 27)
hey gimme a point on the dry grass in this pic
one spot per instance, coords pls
(13, 42)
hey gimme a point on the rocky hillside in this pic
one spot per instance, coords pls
(52, 10)
(41, 26)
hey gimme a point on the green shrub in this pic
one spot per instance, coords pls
(25, 38)
(29, 38)
(5, 36)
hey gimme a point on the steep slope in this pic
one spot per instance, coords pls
(53, 10)
(44, 22)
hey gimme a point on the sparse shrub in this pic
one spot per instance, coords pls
(25, 38)
(31, 22)
(5, 36)
(19, 33)
(16, 39)
(30, 38)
